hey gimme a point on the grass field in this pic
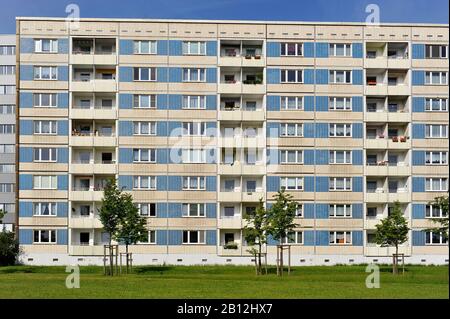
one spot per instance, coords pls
(224, 282)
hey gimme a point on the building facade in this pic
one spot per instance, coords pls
(7, 131)
(201, 119)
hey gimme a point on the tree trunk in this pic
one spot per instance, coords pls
(111, 261)
(126, 251)
(259, 259)
(281, 261)
(395, 266)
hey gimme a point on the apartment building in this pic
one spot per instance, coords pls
(7, 131)
(201, 119)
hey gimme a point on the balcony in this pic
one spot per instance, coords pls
(86, 250)
(93, 168)
(399, 142)
(378, 116)
(223, 251)
(240, 141)
(385, 170)
(402, 195)
(399, 89)
(379, 196)
(87, 222)
(230, 222)
(96, 112)
(93, 51)
(376, 143)
(97, 85)
(85, 195)
(92, 140)
(224, 196)
(241, 115)
(376, 251)
(253, 196)
(242, 169)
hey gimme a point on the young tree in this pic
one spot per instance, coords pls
(132, 227)
(393, 231)
(281, 218)
(442, 203)
(9, 249)
(111, 214)
(255, 233)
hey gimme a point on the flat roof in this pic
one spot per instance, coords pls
(233, 21)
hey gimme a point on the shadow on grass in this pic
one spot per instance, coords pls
(17, 270)
(143, 270)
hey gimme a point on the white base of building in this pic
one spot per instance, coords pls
(194, 259)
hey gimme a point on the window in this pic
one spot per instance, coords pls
(292, 183)
(337, 76)
(45, 46)
(299, 211)
(149, 237)
(436, 158)
(194, 102)
(7, 109)
(434, 211)
(7, 187)
(340, 130)
(44, 236)
(291, 157)
(144, 182)
(194, 128)
(7, 148)
(292, 102)
(7, 50)
(340, 103)
(436, 105)
(7, 168)
(145, 47)
(436, 51)
(144, 128)
(44, 154)
(194, 48)
(228, 211)
(7, 69)
(340, 184)
(291, 130)
(7, 207)
(193, 156)
(45, 73)
(7, 89)
(340, 157)
(44, 209)
(194, 182)
(436, 78)
(144, 74)
(291, 49)
(44, 127)
(340, 49)
(436, 184)
(193, 210)
(193, 237)
(146, 209)
(85, 210)
(144, 155)
(193, 75)
(44, 99)
(436, 131)
(435, 238)
(294, 237)
(45, 182)
(291, 76)
(340, 237)
(340, 210)
(7, 128)
(144, 101)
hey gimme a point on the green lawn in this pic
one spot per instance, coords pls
(224, 282)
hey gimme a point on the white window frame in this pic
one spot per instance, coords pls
(298, 129)
(333, 184)
(297, 235)
(333, 129)
(152, 74)
(299, 183)
(5, 147)
(297, 44)
(429, 212)
(152, 47)
(151, 182)
(443, 133)
(152, 101)
(53, 99)
(152, 128)
(429, 234)
(300, 211)
(201, 234)
(430, 47)
(148, 205)
(51, 151)
(333, 209)
(201, 75)
(443, 184)
(442, 75)
(38, 181)
(188, 102)
(298, 101)
(200, 209)
(284, 73)
(333, 52)
(200, 180)
(7, 128)
(38, 209)
(443, 104)
(38, 73)
(190, 128)
(332, 75)
(284, 154)
(188, 155)
(333, 238)
(7, 187)
(53, 125)
(188, 48)
(347, 157)
(7, 109)
(50, 236)
(7, 69)
(332, 103)
(152, 156)
(7, 168)
(38, 47)
(443, 158)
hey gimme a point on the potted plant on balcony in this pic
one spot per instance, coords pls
(394, 138)
(403, 139)
(230, 245)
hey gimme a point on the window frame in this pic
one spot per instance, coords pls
(299, 183)
(201, 75)
(284, 157)
(200, 208)
(38, 45)
(442, 155)
(284, 74)
(333, 238)
(443, 181)
(152, 155)
(52, 206)
(348, 213)
(201, 183)
(298, 128)
(152, 74)
(299, 103)
(347, 157)
(332, 184)
(187, 102)
(429, 131)
(332, 50)
(140, 205)
(188, 50)
(200, 234)
(429, 75)
(51, 151)
(297, 234)
(53, 100)
(52, 234)
(332, 75)
(152, 128)
(152, 99)
(429, 239)
(38, 181)
(298, 45)
(137, 47)
(38, 73)
(332, 103)
(332, 127)
(191, 157)
(53, 125)
(152, 182)
(443, 104)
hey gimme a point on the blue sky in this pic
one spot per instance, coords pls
(425, 11)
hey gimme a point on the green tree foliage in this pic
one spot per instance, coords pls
(442, 203)
(9, 249)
